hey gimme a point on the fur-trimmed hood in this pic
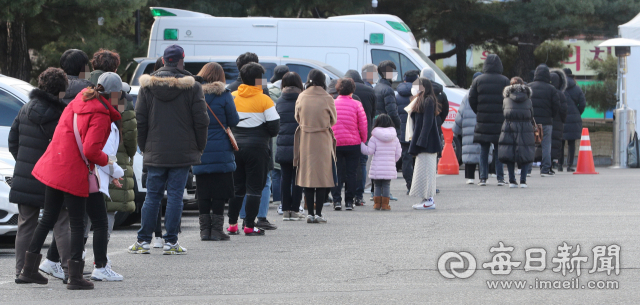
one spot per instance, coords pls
(167, 83)
(559, 79)
(216, 88)
(518, 93)
(183, 83)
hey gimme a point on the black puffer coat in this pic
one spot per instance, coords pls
(485, 99)
(386, 102)
(367, 97)
(286, 107)
(30, 134)
(559, 81)
(575, 107)
(76, 85)
(443, 101)
(403, 98)
(517, 142)
(545, 98)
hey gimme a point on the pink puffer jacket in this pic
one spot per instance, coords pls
(386, 150)
(351, 125)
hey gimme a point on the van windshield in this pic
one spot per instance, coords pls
(444, 77)
(334, 71)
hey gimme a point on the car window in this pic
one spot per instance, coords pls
(302, 70)
(9, 108)
(403, 63)
(149, 68)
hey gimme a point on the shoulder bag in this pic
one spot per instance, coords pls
(94, 183)
(227, 130)
(538, 133)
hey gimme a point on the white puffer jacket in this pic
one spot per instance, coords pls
(113, 171)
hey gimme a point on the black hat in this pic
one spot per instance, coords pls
(567, 72)
(173, 54)
(278, 73)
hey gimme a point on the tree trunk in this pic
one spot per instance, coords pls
(461, 62)
(526, 61)
(14, 52)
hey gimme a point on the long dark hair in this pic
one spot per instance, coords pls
(292, 79)
(316, 78)
(426, 97)
(383, 121)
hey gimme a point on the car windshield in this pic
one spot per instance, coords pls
(445, 79)
(25, 88)
(334, 71)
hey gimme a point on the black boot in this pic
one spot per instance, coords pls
(76, 280)
(217, 222)
(30, 272)
(205, 227)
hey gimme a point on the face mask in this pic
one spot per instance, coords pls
(414, 90)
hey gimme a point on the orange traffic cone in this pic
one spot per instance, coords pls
(585, 156)
(448, 164)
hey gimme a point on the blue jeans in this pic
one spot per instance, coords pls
(524, 169)
(276, 178)
(484, 163)
(547, 133)
(264, 201)
(175, 180)
(361, 177)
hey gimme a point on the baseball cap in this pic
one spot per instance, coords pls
(278, 73)
(111, 82)
(173, 53)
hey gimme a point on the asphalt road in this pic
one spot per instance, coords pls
(372, 257)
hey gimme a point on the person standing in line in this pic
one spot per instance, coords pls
(275, 87)
(576, 104)
(314, 147)
(425, 143)
(464, 126)
(546, 105)
(370, 78)
(385, 148)
(242, 60)
(275, 91)
(29, 137)
(438, 90)
(259, 122)
(84, 125)
(172, 134)
(370, 75)
(214, 175)
(403, 97)
(350, 127)
(286, 105)
(485, 99)
(559, 81)
(517, 141)
(75, 64)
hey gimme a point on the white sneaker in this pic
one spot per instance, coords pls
(84, 254)
(106, 274)
(523, 185)
(493, 175)
(301, 209)
(470, 181)
(158, 242)
(52, 268)
(513, 185)
(280, 212)
(140, 248)
(174, 249)
(428, 204)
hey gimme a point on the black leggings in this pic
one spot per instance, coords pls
(94, 206)
(291, 193)
(320, 198)
(470, 171)
(206, 205)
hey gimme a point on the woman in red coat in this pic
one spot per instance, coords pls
(64, 172)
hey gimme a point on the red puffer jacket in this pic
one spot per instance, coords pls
(351, 125)
(61, 167)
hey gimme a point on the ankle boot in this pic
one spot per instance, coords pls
(76, 280)
(385, 204)
(30, 272)
(205, 227)
(217, 221)
(377, 202)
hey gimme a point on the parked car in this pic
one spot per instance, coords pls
(8, 210)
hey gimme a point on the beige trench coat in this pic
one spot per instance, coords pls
(314, 145)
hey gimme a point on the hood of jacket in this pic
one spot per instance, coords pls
(571, 82)
(353, 74)
(216, 88)
(518, 93)
(164, 82)
(559, 79)
(277, 84)
(542, 74)
(492, 64)
(384, 134)
(437, 88)
(247, 91)
(331, 89)
(404, 89)
(42, 114)
(93, 106)
(429, 74)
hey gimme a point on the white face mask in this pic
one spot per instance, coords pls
(415, 90)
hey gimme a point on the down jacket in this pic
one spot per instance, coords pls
(465, 126)
(123, 199)
(218, 156)
(559, 81)
(403, 98)
(545, 97)
(517, 142)
(286, 107)
(351, 124)
(76, 85)
(386, 150)
(29, 137)
(367, 96)
(576, 104)
(485, 99)
(386, 102)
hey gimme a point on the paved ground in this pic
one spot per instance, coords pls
(371, 257)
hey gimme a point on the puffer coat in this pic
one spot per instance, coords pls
(386, 102)
(545, 97)
(386, 150)
(517, 142)
(559, 81)
(465, 126)
(485, 99)
(576, 104)
(351, 124)
(123, 199)
(286, 107)
(403, 98)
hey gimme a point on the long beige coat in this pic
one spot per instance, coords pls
(314, 145)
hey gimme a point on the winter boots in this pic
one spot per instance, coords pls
(30, 272)
(205, 227)
(385, 204)
(377, 202)
(216, 233)
(76, 280)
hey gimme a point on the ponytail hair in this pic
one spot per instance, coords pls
(91, 93)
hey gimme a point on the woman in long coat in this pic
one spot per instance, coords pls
(314, 144)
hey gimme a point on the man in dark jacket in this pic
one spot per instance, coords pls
(403, 98)
(242, 60)
(75, 64)
(485, 99)
(172, 134)
(559, 81)
(385, 96)
(546, 105)
(576, 104)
